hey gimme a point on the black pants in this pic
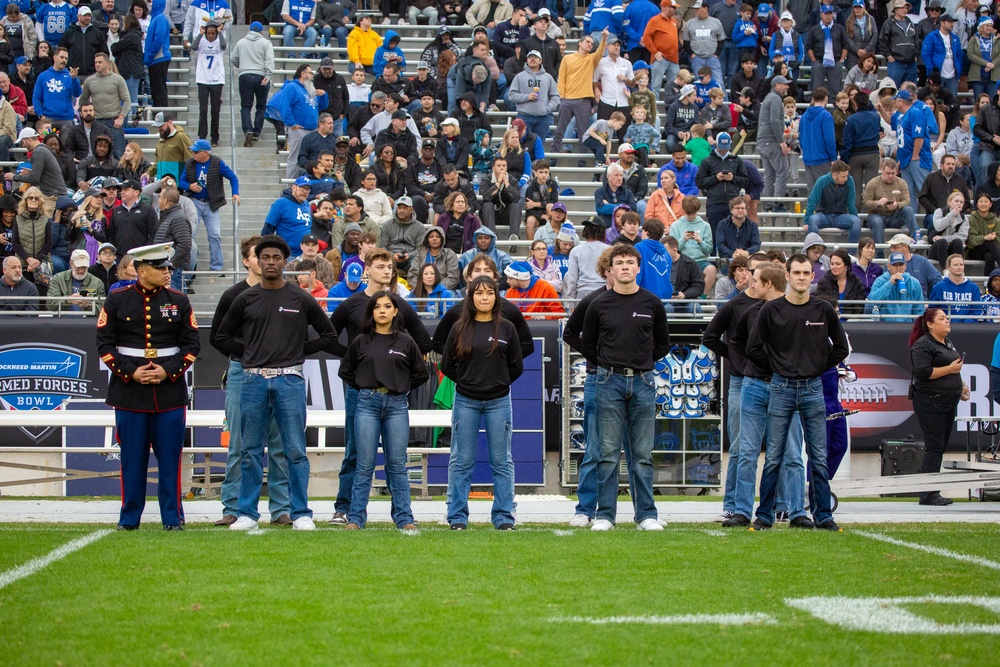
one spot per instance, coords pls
(252, 92)
(940, 250)
(387, 7)
(421, 209)
(158, 83)
(936, 416)
(209, 93)
(989, 252)
(714, 214)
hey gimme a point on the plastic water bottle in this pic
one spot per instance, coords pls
(475, 186)
(322, 40)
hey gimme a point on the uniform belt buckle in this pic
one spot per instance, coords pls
(151, 353)
(382, 390)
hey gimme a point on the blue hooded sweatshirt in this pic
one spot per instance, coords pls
(637, 15)
(383, 52)
(290, 220)
(883, 289)
(157, 35)
(499, 257)
(275, 109)
(339, 292)
(962, 300)
(655, 272)
(816, 137)
(54, 93)
(298, 108)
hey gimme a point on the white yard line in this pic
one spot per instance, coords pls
(937, 551)
(38, 564)
(679, 619)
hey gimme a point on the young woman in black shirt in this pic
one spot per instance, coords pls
(382, 364)
(937, 388)
(482, 356)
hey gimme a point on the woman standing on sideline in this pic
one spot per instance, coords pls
(936, 389)
(483, 357)
(383, 364)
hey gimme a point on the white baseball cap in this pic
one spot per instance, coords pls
(26, 133)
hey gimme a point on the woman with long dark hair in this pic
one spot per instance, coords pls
(936, 388)
(383, 364)
(428, 285)
(483, 357)
(128, 56)
(389, 173)
(841, 283)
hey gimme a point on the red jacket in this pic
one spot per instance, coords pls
(17, 100)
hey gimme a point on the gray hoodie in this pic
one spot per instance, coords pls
(771, 122)
(525, 83)
(402, 237)
(253, 54)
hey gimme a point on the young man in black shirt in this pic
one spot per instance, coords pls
(268, 326)
(624, 333)
(718, 337)
(350, 315)
(277, 467)
(797, 338)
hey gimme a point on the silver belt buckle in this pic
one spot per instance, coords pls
(270, 373)
(628, 372)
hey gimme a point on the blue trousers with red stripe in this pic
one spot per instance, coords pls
(165, 432)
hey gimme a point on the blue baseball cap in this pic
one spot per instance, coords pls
(303, 182)
(903, 95)
(257, 26)
(639, 64)
(826, 9)
(859, 3)
(21, 60)
(354, 272)
(201, 145)
(763, 9)
(897, 258)
(723, 140)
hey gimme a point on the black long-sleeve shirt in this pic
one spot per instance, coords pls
(574, 325)
(268, 328)
(741, 335)
(928, 354)
(798, 341)
(626, 330)
(225, 303)
(392, 361)
(510, 312)
(724, 324)
(485, 375)
(350, 315)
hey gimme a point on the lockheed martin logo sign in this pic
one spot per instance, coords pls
(41, 377)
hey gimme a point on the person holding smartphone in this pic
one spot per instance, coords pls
(382, 365)
(936, 389)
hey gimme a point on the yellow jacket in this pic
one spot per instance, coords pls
(361, 46)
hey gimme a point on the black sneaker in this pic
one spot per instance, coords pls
(248, 141)
(736, 521)
(506, 526)
(760, 525)
(936, 500)
(830, 525)
(803, 522)
(781, 517)
(122, 526)
(458, 526)
(173, 528)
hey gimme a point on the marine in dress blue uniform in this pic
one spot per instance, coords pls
(148, 336)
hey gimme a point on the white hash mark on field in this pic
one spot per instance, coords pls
(38, 564)
(714, 532)
(937, 551)
(886, 616)
(563, 533)
(679, 619)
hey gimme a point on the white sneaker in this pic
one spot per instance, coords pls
(599, 524)
(243, 523)
(650, 524)
(303, 523)
(580, 521)
(726, 514)
(387, 21)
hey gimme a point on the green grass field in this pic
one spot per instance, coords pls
(540, 596)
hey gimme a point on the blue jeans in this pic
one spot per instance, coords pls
(660, 70)
(252, 92)
(805, 397)
(728, 61)
(466, 415)
(697, 62)
(899, 72)
(733, 424)
(914, 175)
(902, 218)
(950, 83)
(537, 124)
(986, 158)
(599, 149)
(792, 482)
(341, 33)
(852, 223)
(277, 468)
(753, 421)
(290, 32)
(627, 404)
(283, 400)
(213, 228)
(586, 490)
(384, 416)
(980, 87)
(132, 83)
(349, 466)
(340, 127)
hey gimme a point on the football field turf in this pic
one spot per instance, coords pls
(897, 594)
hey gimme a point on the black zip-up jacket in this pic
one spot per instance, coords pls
(460, 150)
(757, 84)
(815, 38)
(414, 88)
(350, 171)
(83, 46)
(128, 54)
(442, 190)
(334, 13)
(358, 120)
(499, 196)
(404, 142)
(413, 169)
(338, 99)
(988, 124)
(687, 278)
(720, 192)
(899, 42)
(853, 291)
(75, 141)
(131, 228)
(551, 57)
(936, 189)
